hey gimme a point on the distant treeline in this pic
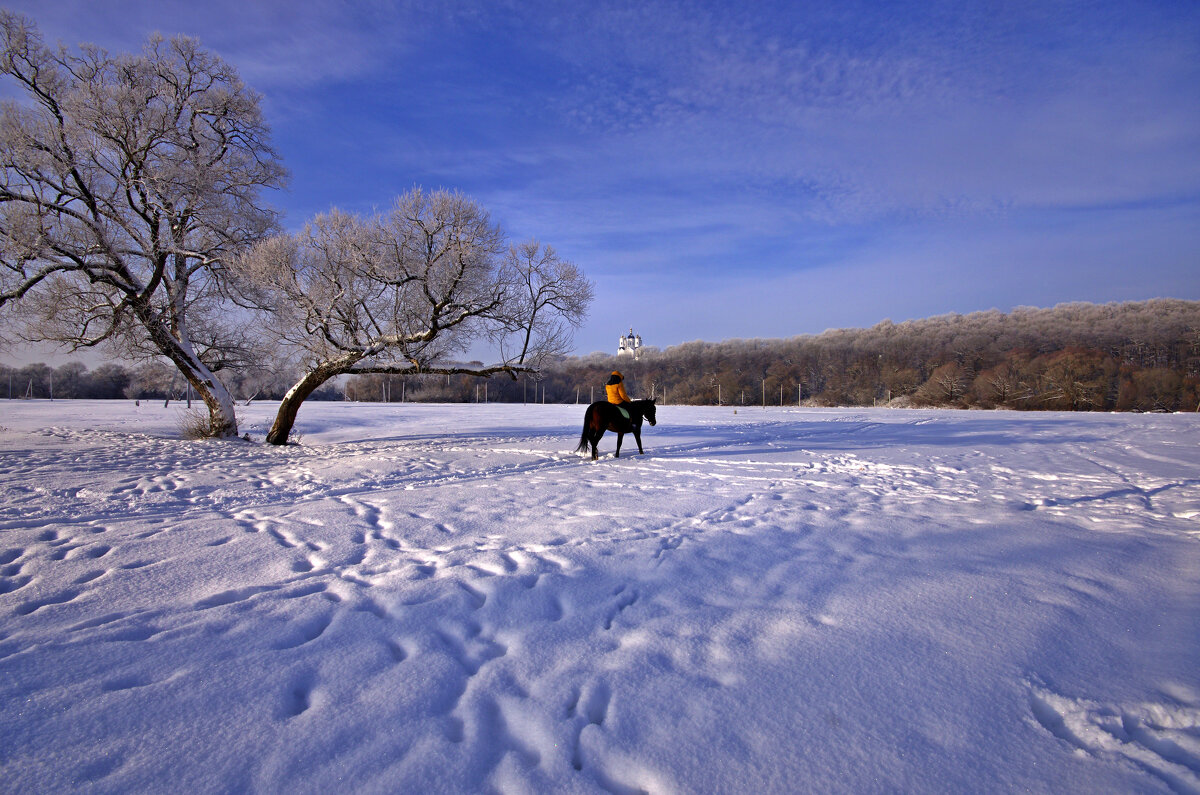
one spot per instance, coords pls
(147, 381)
(1142, 356)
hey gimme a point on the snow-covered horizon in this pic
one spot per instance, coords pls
(448, 598)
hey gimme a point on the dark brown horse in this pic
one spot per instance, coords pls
(603, 416)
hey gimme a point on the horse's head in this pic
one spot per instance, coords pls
(648, 410)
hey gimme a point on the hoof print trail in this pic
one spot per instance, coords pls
(588, 708)
(625, 598)
(232, 596)
(306, 632)
(397, 651)
(299, 698)
(454, 729)
(57, 599)
(477, 597)
(10, 584)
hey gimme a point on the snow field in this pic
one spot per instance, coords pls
(448, 598)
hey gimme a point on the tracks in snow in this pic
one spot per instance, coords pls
(1162, 738)
(363, 589)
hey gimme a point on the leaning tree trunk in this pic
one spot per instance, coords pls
(290, 405)
(222, 418)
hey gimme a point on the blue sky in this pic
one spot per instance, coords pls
(740, 169)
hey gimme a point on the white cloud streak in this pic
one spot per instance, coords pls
(890, 163)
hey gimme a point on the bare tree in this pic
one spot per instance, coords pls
(547, 297)
(947, 383)
(402, 293)
(1006, 384)
(128, 182)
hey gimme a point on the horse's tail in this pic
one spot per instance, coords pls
(583, 437)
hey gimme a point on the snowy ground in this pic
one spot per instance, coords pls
(448, 598)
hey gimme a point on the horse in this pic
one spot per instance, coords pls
(603, 416)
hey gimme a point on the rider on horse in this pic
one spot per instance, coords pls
(618, 414)
(616, 392)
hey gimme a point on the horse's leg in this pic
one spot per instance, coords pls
(620, 437)
(637, 435)
(595, 440)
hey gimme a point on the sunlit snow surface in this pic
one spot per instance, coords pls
(448, 598)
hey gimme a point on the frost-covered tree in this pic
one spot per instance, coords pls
(546, 297)
(404, 292)
(127, 182)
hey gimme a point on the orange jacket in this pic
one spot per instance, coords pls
(616, 392)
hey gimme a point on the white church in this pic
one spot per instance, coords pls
(630, 345)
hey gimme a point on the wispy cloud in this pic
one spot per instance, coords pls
(853, 160)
